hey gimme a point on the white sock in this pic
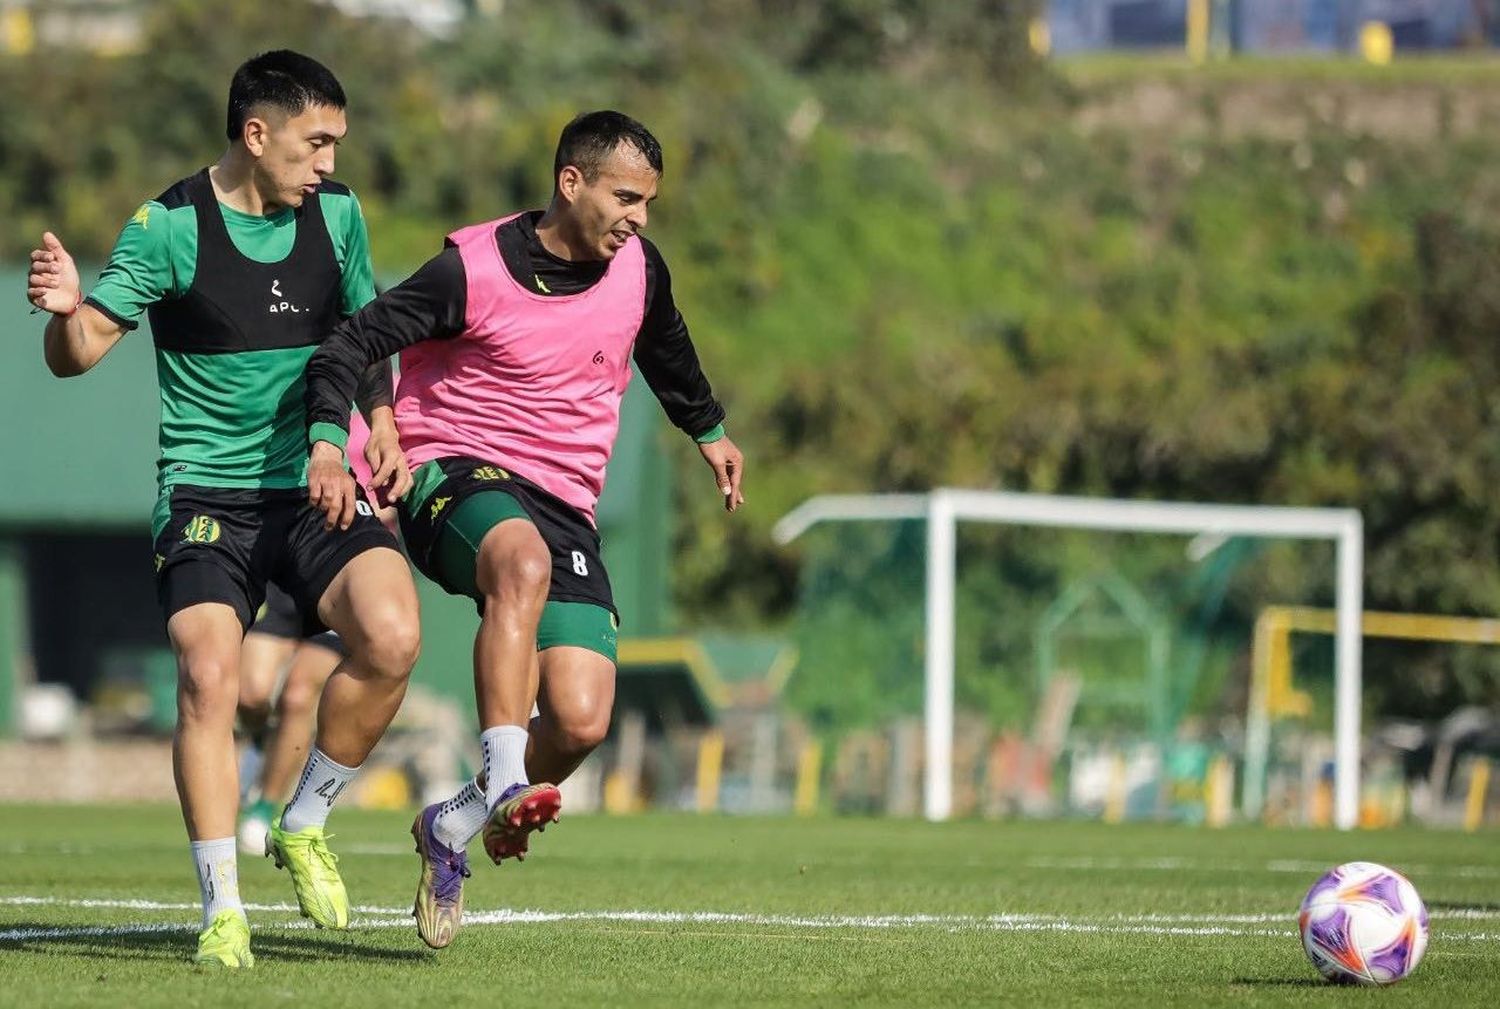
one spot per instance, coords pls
(462, 817)
(321, 783)
(504, 750)
(218, 877)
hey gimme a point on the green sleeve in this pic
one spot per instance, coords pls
(331, 433)
(352, 243)
(139, 271)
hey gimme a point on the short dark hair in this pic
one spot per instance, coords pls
(593, 136)
(281, 78)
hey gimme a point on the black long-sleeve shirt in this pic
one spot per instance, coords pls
(431, 303)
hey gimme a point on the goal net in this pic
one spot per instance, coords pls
(996, 652)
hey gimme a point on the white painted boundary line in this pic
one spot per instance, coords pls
(69, 848)
(999, 923)
(872, 921)
(705, 918)
(384, 917)
(95, 931)
(137, 904)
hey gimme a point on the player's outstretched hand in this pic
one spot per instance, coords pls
(729, 469)
(390, 476)
(52, 280)
(330, 488)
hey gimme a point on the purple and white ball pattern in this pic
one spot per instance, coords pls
(1362, 923)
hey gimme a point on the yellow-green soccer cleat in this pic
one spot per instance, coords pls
(315, 873)
(226, 942)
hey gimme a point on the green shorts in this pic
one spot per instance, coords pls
(456, 501)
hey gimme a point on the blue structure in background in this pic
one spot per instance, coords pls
(1272, 26)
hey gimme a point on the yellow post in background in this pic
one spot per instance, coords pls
(1114, 801)
(710, 769)
(1320, 804)
(622, 786)
(1040, 37)
(383, 788)
(1282, 699)
(1376, 43)
(1197, 30)
(620, 796)
(17, 30)
(809, 773)
(1218, 792)
(1479, 787)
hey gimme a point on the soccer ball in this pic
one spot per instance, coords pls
(1362, 923)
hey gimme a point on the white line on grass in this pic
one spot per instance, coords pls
(385, 917)
(99, 931)
(151, 905)
(947, 923)
(709, 918)
(71, 848)
(1150, 918)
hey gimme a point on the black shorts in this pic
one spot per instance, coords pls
(278, 617)
(443, 485)
(220, 545)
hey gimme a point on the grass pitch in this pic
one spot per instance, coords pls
(98, 907)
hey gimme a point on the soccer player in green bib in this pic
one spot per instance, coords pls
(243, 267)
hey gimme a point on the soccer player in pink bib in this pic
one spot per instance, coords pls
(516, 343)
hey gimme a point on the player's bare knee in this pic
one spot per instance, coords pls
(393, 649)
(522, 577)
(578, 744)
(530, 572)
(299, 697)
(582, 732)
(207, 688)
(254, 699)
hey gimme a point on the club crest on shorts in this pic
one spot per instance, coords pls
(201, 529)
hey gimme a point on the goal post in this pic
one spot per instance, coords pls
(944, 508)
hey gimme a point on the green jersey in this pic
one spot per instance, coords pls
(238, 303)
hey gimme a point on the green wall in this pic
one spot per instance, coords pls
(12, 632)
(80, 451)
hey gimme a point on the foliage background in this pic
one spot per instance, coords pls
(912, 256)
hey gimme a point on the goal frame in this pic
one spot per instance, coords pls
(943, 508)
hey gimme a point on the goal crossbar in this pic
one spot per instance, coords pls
(944, 508)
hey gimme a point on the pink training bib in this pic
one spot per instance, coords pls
(359, 433)
(534, 382)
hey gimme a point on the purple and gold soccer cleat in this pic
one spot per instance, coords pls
(440, 892)
(522, 808)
